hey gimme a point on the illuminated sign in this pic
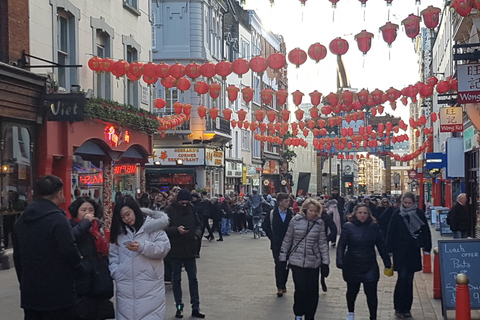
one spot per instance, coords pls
(169, 156)
(116, 136)
(90, 179)
(125, 169)
(451, 119)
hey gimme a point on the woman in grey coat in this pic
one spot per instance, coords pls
(305, 249)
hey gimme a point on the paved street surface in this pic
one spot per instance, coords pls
(237, 283)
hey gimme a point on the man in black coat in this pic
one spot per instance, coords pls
(340, 202)
(45, 255)
(458, 217)
(275, 226)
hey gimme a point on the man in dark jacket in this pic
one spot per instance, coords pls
(184, 232)
(275, 226)
(45, 255)
(340, 202)
(458, 218)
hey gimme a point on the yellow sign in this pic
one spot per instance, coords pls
(244, 175)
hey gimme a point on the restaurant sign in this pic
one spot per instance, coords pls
(169, 156)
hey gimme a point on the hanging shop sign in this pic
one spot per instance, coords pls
(435, 160)
(66, 107)
(116, 136)
(468, 83)
(451, 119)
(412, 174)
(169, 156)
(213, 157)
(125, 169)
(90, 179)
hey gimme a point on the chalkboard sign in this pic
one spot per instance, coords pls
(444, 226)
(459, 256)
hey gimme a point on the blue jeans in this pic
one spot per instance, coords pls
(225, 225)
(459, 234)
(191, 269)
(403, 294)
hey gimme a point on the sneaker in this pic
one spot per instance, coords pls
(398, 314)
(198, 314)
(179, 312)
(407, 315)
(298, 317)
(350, 316)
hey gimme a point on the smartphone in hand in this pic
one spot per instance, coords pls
(127, 243)
(186, 228)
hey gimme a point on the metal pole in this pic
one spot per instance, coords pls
(329, 174)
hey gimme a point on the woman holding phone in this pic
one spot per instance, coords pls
(138, 246)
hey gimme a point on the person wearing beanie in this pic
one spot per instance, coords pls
(184, 232)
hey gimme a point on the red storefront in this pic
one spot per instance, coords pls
(94, 158)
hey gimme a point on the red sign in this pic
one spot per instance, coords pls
(90, 179)
(412, 174)
(116, 136)
(451, 119)
(125, 169)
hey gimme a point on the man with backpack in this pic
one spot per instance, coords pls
(275, 226)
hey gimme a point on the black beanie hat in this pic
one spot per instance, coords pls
(184, 194)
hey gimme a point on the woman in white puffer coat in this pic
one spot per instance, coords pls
(138, 246)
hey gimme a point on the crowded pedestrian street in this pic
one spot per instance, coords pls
(236, 282)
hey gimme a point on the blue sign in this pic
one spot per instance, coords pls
(435, 160)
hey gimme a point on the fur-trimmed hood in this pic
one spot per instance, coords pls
(158, 220)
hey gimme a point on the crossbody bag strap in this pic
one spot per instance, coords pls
(298, 243)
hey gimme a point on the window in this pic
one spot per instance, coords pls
(246, 140)
(257, 88)
(170, 96)
(66, 49)
(132, 86)
(154, 31)
(132, 6)
(245, 49)
(103, 79)
(256, 146)
(236, 144)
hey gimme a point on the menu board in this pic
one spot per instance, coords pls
(459, 256)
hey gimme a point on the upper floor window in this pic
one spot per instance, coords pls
(170, 96)
(154, 31)
(131, 5)
(246, 140)
(132, 86)
(103, 79)
(65, 48)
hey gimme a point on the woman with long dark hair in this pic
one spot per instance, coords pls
(408, 232)
(357, 258)
(138, 246)
(94, 287)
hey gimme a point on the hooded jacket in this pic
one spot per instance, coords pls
(308, 251)
(45, 257)
(139, 275)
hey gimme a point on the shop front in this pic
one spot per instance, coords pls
(101, 160)
(233, 176)
(271, 177)
(189, 167)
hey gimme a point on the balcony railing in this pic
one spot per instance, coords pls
(219, 124)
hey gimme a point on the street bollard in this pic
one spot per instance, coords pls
(427, 263)
(437, 290)
(462, 301)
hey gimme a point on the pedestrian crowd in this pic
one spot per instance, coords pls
(157, 234)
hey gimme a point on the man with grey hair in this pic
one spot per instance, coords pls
(458, 218)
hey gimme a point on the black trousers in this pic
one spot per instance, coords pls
(403, 294)
(64, 314)
(281, 270)
(370, 289)
(306, 291)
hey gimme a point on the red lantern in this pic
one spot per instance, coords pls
(362, 96)
(246, 124)
(168, 82)
(297, 97)
(258, 64)
(107, 65)
(431, 17)
(187, 109)
(95, 64)
(159, 103)
(223, 69)
(241, 114)
(215, 89)
(326, 110)
(177, 107)
(120, 68)
(162, 70)
(412, 25)
(389, 32)
(247, 94)
(202, 111)
(233, 123)
(177, 70)
(454, 84)
(311, 124)
(285, 115)
(433, 116)
(332, 99)
(259, 115)
(276, 61)
(315, 97)
(208, 69)
(338, 46)
(443, 86)
(240, 66)
(150, 80)
(213, 113)
(463, 7)
(253, 126)
(227, 114)
(183, 84)
(281, 96)
(314, 112)
(377, 96)
(232, 92)
(364, 41)
(347, 97)
(271, 115)
(297, 56)
(299, 114)
(149, 70)
(201, 87)
(192, 70)
(266, 96)
(317, 52)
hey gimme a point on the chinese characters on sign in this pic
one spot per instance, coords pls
(468, 83)
(451, 119)
(116, 136)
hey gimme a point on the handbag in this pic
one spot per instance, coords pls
(388, 272)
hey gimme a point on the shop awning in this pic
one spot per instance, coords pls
(135, 153)
(168, 170)
(90, 148)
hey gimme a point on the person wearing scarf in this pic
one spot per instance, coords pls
(94, 287)
(407, 233)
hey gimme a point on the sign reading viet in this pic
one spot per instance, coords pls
(451, 119)
(468, 83)
(169, 156)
